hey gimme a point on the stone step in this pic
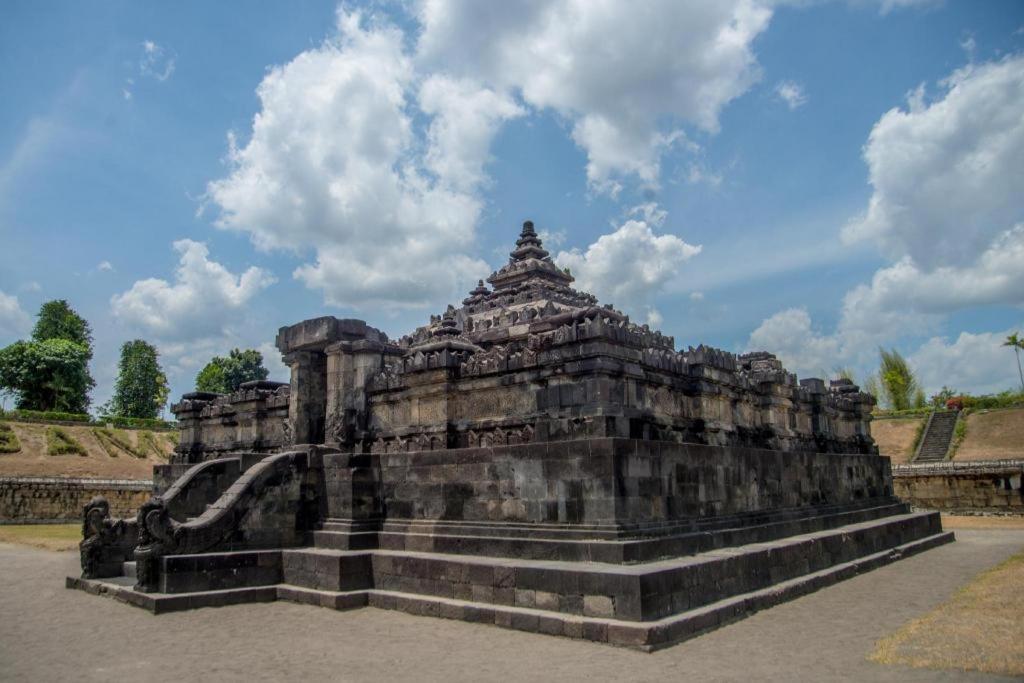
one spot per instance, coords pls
(467, 539)
(647, 636)
(638, 592)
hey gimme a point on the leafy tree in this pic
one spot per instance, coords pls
(47, 375)
(224, 375)
(141, 389)
(1016, 342)
(897, 380)
(57, 320)
(51, 371)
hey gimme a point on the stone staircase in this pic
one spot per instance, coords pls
(937, 437)
(647, 604)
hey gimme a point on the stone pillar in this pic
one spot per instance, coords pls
(350, 366)
(307, 405)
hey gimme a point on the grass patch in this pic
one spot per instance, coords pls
(8, 439)
(918, 435)
(46, 536)
(148, 444)
(959, 434)
(59, 442)
(978, 629)
(113, 441)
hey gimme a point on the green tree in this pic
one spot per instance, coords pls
(897, 379)
(1016, 342)
(57, 320)
(141, 389)
(47, 375)
(51, 371)
(224, 375)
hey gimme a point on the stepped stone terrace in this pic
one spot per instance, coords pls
(529, 459)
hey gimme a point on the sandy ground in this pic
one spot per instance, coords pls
(895, 437)
(993, 435)
(33, 461)
(60, 634)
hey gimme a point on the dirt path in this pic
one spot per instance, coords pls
(51, 633)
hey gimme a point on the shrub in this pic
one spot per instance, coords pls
(8, 440)
(113, 440)
(138, 423)
(59, 442)
(52, 415)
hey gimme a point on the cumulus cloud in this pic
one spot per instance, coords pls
(202, 302)
(791, 93)
(333, 164)
(790, 335)
(628, 76)
(14, 322)
(974, 362)
(946, 208)
(105, 266)
(947, 175)
(630, 266)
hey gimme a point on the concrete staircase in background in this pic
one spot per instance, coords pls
(937, 437)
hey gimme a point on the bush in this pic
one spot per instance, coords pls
(51, 415)
(59, 442)
(8, 440)
(137, 423)
(1006, 399)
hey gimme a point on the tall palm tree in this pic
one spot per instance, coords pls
(1016, 342)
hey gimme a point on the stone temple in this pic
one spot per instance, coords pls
(531, 459)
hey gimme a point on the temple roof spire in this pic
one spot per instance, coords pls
(528, 245)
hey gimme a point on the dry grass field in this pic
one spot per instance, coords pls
(895, 437)
(979, 629)
(100, 460)
(45, 536)
(993, 435)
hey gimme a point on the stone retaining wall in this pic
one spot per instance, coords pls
(990, 486)
(33, 500)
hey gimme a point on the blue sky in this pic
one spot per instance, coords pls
(812, 178)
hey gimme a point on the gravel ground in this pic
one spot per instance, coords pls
(50, 633)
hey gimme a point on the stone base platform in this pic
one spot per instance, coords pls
(645, 605)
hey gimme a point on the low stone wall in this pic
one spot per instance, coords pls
(34, 500)
(980, 486)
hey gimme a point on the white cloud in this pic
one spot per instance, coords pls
(947, 176)
(947, 207)
(333, 164)
(31, 286)
(789, 335)
(978, 363)
(105, 266)
(204, 300)
(631, 265)
(466, 117)
(791, 93)
(14, 322)
(157, 61)
(696, 296)
(627, 76)
(886, 6)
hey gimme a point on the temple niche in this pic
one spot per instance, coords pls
(530, 459)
